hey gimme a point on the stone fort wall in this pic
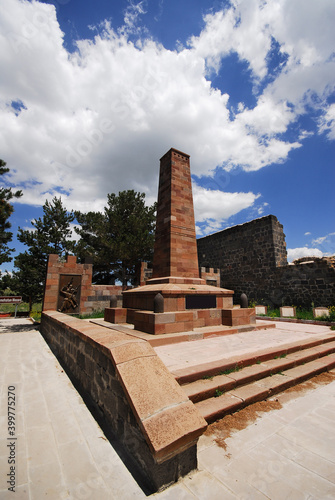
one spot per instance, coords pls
(253, 260)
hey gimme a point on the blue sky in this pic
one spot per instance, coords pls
(93, 93)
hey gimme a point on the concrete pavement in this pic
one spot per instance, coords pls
(60, 451)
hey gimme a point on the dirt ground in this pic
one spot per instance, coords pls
(224, 428)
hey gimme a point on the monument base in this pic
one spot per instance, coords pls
(187, 303)
(115, 315)
(179, 294)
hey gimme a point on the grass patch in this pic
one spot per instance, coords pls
(273, 313)
(236, 368)
(330, 318)
(22, 307)
(93, 315)
(218, 393)
(304, 314)
(35, 314)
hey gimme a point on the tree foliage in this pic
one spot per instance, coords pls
(49, 234)
(6, 209)
(119, 238)
(8, 284)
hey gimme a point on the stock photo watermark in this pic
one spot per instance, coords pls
(11, 438)
(121, 110)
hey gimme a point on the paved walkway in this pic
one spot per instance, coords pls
(61, 453)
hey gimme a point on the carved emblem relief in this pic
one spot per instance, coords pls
(69, 293)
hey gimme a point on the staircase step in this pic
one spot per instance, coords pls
(206, 387)
(216, 407)
(193, 373)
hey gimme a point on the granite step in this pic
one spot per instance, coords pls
(231, 378)
(215, 408)
(193, 373)
(231, 385)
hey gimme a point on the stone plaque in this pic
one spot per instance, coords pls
(287, 312)
(261, 310)
(69, 293)
(320, 311)
(200, 301)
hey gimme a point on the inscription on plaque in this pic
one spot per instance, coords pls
(200, 301)
(69, 293)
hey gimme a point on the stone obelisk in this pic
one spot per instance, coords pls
(175, 252)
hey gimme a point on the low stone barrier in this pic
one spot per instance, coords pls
(295, 320)
(141, 402)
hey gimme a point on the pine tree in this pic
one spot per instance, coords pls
(119, 238)
(6, 209)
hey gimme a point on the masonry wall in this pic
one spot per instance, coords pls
(139, 399)
(305, 283)
(100, 297)
(253, 260)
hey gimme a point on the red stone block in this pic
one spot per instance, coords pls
(155, 329)
(53, 281)
(238, 317)
(52, 259)
(184, 316)
(115, 315)
(71, 259)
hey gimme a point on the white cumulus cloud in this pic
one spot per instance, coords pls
(213, 207)
(96, 121)
(298, 253)
(327, 243)
(327, 122)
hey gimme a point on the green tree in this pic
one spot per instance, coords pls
(8, 284)
(119, 238)
(6, 209)
(49, 234)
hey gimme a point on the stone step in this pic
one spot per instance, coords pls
(198, 372)
(229, 385)
(237, 398)
(231, 378)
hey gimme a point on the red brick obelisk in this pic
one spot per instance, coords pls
(175, 252)
(176, 299)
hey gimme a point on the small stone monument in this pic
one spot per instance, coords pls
(320, 311)
(288, 312)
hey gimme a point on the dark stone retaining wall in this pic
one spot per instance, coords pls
(138, 399)
(253, 260)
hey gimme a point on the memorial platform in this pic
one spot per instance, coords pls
(186, 336)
